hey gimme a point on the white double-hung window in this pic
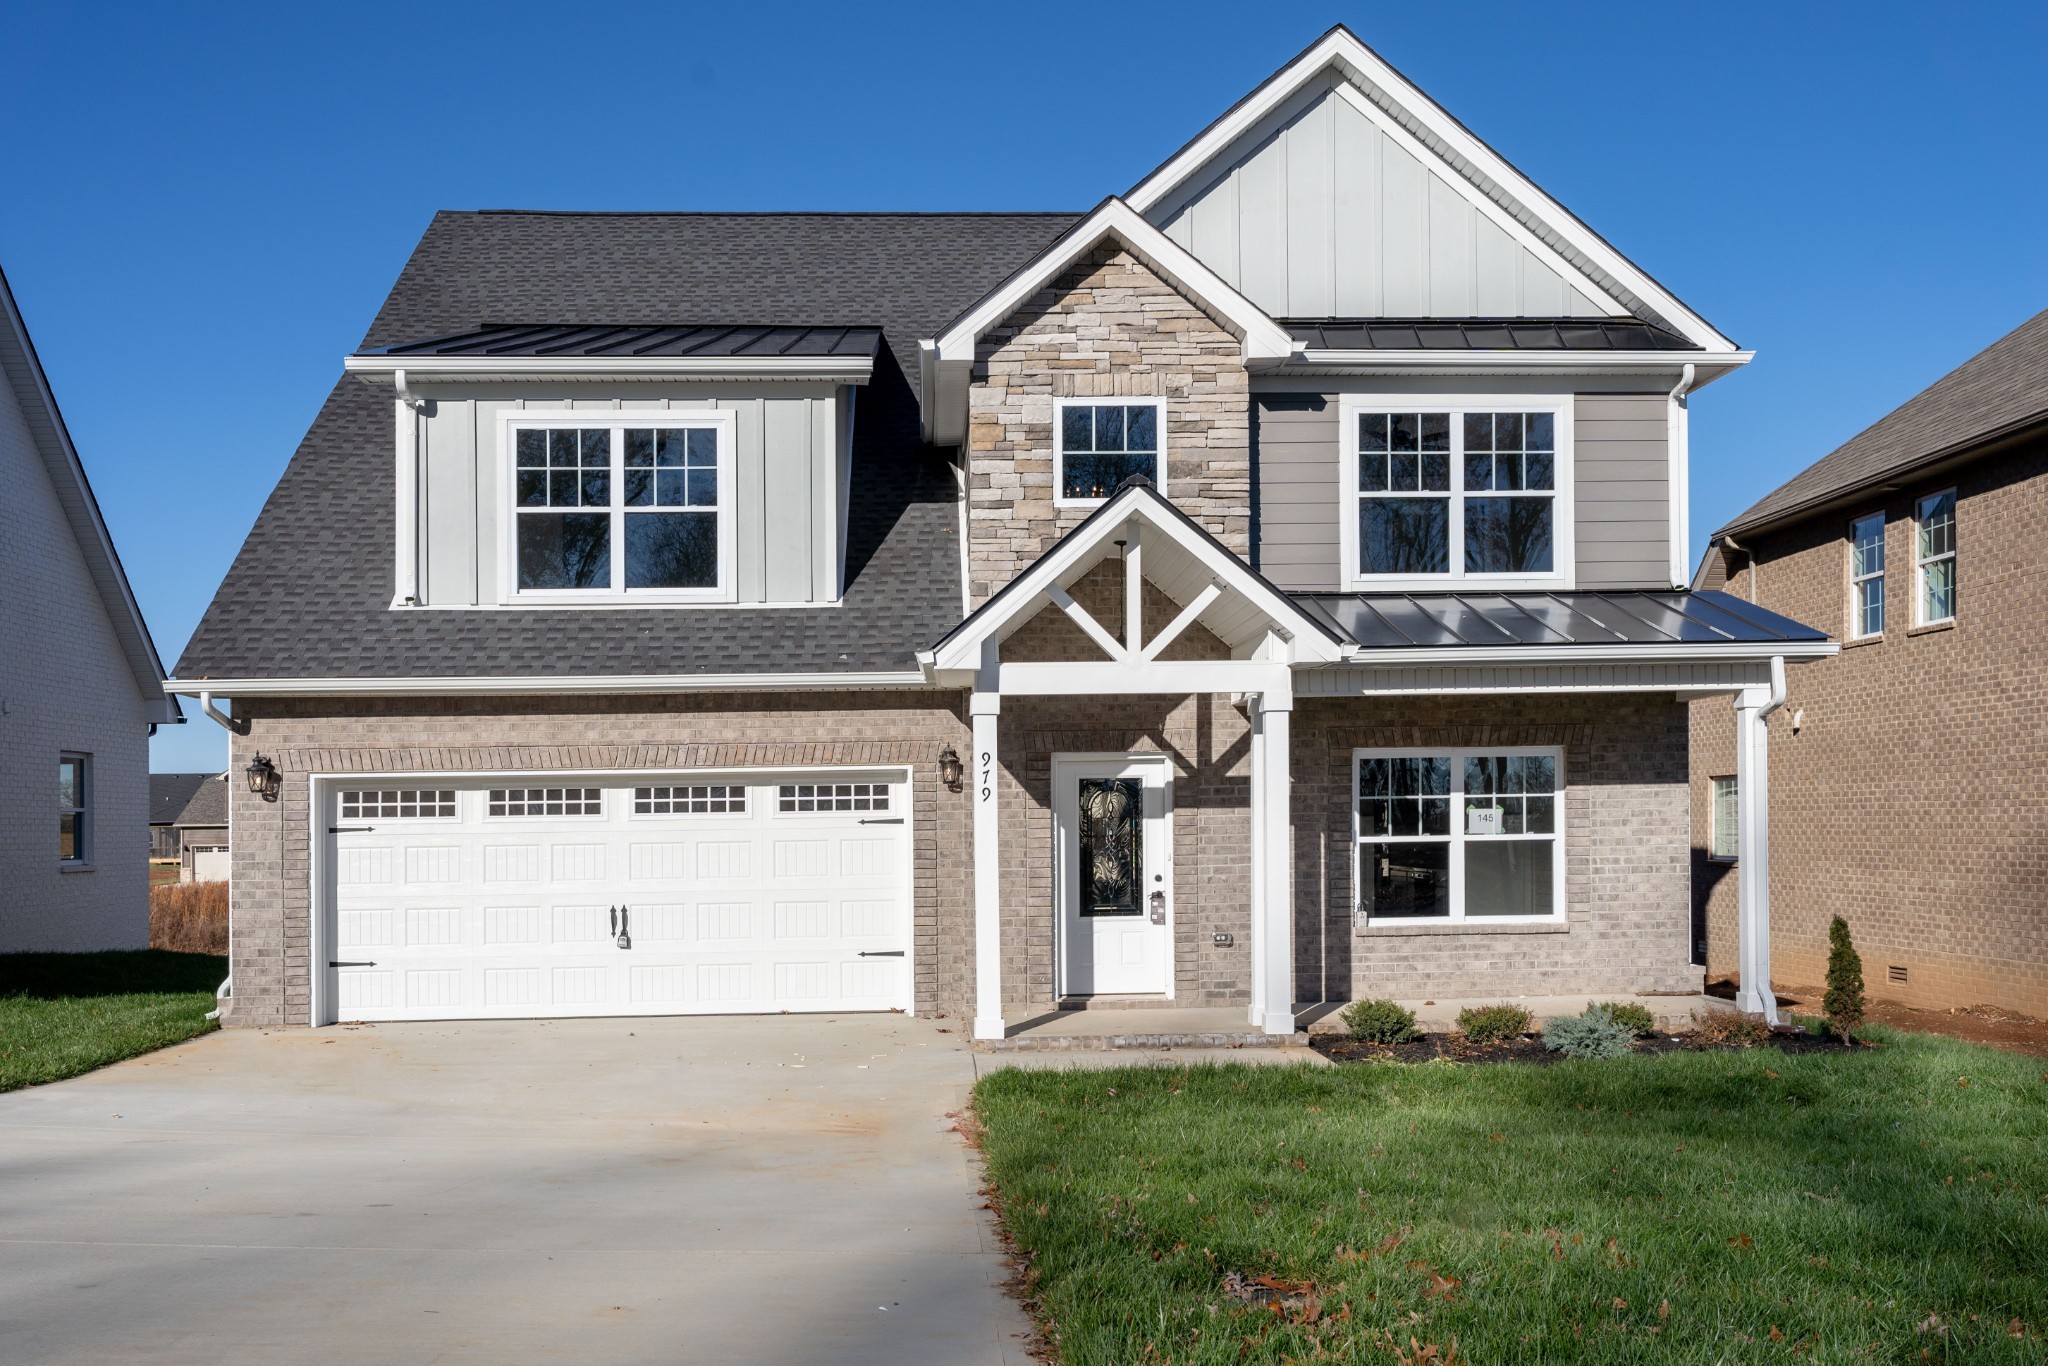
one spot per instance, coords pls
(1866, 576)
(1437, 493)
(1459, 834)
(635, 508)
(1099, 443)
(1935, 563)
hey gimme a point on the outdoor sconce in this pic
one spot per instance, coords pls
(950, 772)
(264, 779)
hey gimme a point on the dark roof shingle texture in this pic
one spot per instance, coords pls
(2003, 387)
(308, 596)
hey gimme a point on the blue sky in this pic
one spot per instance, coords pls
(204, 204)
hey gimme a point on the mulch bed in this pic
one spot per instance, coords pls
(1529, 1048)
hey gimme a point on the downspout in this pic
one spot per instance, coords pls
(405, 571)
(1746, 554)
(233, 726)
(1678, 441)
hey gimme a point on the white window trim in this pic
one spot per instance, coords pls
(616, 421)
(1059, 442)
(1714, 818)
(1920, 562)
(82, 855)
(1856, 631)
(1457, 838)
(1563, 498)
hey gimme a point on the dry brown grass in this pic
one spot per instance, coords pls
(189, 917)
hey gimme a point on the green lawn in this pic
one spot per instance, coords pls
(1695, 1207)
(66, 1013)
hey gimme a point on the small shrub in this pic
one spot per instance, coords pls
(1727, 1029)
(1632, 1016)
(189, 917)
(1844, 1000)
(1380, 1022)
(1494, 1024)
(1592, 1033)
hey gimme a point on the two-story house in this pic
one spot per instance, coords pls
(81, 687)
(1906, 801)
(1266, 587)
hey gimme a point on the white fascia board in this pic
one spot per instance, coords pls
(498, 687)
(947, 360)
(834, 369)
(1709, 365)
(1377, 79)
(1710, 651)
(1025, 596)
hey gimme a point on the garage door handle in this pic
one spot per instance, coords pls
(350, 829)
(883, 820)
(351, 965)
(881, 953)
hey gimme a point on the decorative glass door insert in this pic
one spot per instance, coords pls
(1111, 841)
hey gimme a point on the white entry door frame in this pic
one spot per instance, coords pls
(1118, 942)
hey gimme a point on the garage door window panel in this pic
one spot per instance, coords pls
(396, 804)
(797, 798)
(546, 801)
(696, 799)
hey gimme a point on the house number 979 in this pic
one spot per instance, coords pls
(988, 775)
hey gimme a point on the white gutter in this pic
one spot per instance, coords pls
(496, 687)
(1677, 448)
(1777, 698)
(1510, 362)
(1713, 651)
(836, 369)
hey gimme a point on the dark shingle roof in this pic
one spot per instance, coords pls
(309, 594)
(170, 792)
(577, 340)
(1484, 334)
(187, 799)
(1414, 621)
(2000, 390)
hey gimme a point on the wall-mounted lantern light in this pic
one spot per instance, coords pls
(264, 779)
(950, 772)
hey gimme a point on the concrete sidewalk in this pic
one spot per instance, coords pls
(782, 1189)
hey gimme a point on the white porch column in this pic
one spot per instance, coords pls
(985, 706)
(1257, 834)
(1753, 843)
(1274, 827)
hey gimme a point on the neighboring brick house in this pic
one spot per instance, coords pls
(1264, 589)
(188, 824)
(1903, 797)
(81, 688)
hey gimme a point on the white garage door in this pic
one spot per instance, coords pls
(657, 895)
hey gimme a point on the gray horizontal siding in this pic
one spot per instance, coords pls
(1295, 438)
(1623, 491)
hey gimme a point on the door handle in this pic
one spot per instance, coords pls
(1158, 908)
(625, 927)
(882, 820)
(881, 953)
(350, 829)
(333, 964)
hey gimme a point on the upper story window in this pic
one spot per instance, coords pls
(1935, 560)
(1440, 492)
(74, 808)
(637, 508)
(1866, 576)
(1099, 445)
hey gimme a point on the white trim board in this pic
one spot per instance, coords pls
(1448, 142)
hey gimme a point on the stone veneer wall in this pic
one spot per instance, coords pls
(1910, 802)
(271, 907)
(1626, 852)
(1108, 327)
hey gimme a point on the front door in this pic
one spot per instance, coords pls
(1114, 857)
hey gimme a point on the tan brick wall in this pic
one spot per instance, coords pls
(1625, 851)
(1910, 802)
(1108, 327)
(271, 899)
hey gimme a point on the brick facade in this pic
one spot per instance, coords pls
(1909, 801)
(1625, 852)
(1108, 327)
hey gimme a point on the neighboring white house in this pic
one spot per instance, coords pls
(81, 688)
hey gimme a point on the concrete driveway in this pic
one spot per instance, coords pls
(781, 1189)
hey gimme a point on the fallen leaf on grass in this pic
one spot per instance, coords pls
(1740, 1240)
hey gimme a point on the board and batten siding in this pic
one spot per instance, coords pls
(791, 461)
(1320, 213)
(1621, 486)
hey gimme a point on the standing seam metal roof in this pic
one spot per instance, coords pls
(599, 340)
(1410, 621)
